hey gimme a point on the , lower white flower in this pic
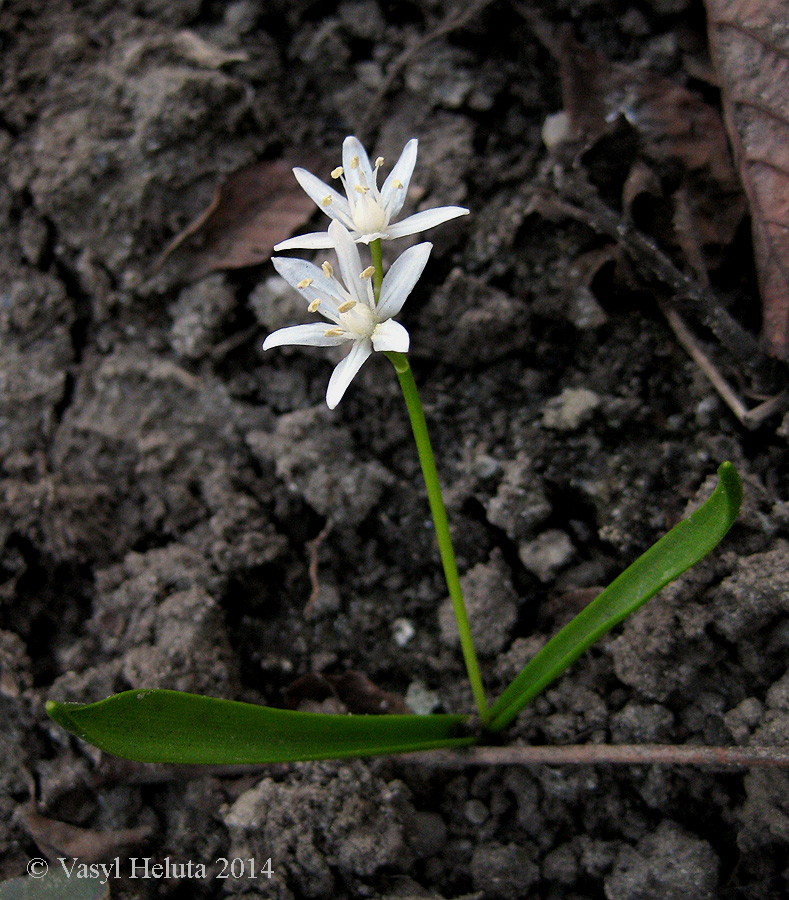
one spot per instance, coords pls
(350, 306)
(366, 211)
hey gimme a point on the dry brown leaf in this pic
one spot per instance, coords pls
(56, 838)
(673, 126)
(256, 207)
(750, 47)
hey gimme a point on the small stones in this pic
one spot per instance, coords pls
(669, 863)
(472, 322)
(547, 554)
(420, 699)
(198, 315)
(402, 631)
(492, 606)
(741, 721)
(475, 812)
(556, 130)
(520, 503)
(573, 408)
(427, 834)
(638, 723)
(503, 871)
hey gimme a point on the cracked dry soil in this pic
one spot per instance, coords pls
(164, 505)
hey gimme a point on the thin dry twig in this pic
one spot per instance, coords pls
(688, 341)
(688, 291)
(645, 253)
(578, 201)
(768, 408)
(313, 547)
(750, 418)
(688, 238)
(606, 754)
(544, 755)
(694, 293)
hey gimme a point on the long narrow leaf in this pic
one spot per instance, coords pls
(675, 552)
(172, 727)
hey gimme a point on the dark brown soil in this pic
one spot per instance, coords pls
(161, 498)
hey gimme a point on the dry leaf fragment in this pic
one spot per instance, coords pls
(750, 46)
(56, 838)
(255, 208)
(673, 126)
(184, 45)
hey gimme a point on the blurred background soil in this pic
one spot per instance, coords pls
(177, 510)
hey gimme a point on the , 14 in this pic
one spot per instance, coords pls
(242, 868)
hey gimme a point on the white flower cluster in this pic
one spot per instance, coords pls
(365, 214)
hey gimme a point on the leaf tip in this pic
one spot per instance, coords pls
(58, 712)
(732, 485)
